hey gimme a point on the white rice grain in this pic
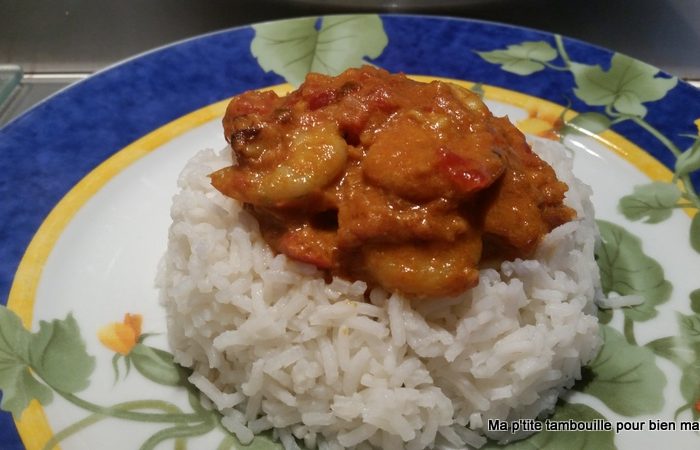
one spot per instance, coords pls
(275, 346)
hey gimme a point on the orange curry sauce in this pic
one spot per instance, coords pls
(372, 176)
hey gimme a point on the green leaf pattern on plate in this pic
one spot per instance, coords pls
(684, 351)
(690, 388)
(627, 270)
(296, 47)
(522, 59)
(695, 233)
(16, 382)
(624, 87)
(695, 301)
(653, 202)
(156, 365)
(689, 160)
(690, 328)
(625, 377)
(57, 354)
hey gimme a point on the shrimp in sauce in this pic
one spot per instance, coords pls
(406, 185)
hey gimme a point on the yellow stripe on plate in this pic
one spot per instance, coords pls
(33, 426)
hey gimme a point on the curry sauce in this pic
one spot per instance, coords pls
(406, 185)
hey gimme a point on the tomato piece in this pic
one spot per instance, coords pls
(321, 99)
(466, 174)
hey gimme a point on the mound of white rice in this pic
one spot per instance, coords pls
(273, 346)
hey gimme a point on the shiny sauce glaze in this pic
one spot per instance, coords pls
(406, 185)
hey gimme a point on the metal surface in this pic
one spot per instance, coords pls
(33, 89)
(10, 77)
(81, 36)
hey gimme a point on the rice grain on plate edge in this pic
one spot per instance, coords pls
(273, 345)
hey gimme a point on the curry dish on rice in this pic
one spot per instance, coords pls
(409, 186)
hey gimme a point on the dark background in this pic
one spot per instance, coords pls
(85, 35)
(57, 42)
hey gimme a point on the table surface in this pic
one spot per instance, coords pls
(59, 42)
